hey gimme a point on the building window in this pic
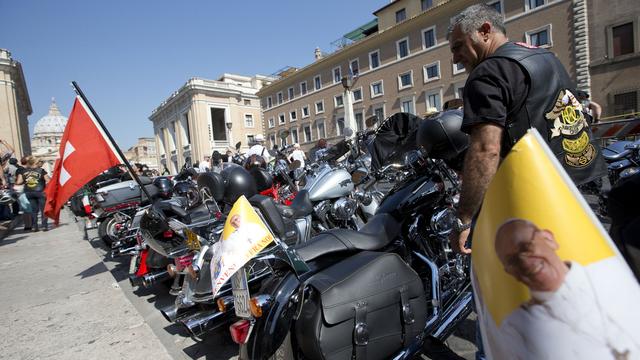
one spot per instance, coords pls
(401, 15)
(357, 95)
(458, 90)
(283, 141)
(532, 4)
(280, 99)
(307, 133)
(431, 71)
(378, 111)
(374, 59)
(272, 139)
(303, 88)
(269, 102)
(281, 119)
(248, 120)
(405, 80)
(458, 68)
(340, 126)
(251, 139)
(425, 4)
(539, 37)
(434, 99)
(293, 115)
(622, 39)
(247, 102)
(317, 82)
(354, 67)
(290, 92)
(337, 75)
(338, 101)
(407, 106)
(294, 135)
(305, 111)
(319, 107)
(497, 5)
(321, 131)
(625, 103)
(359, 121)
(429, 38)
(272, 122)
(377, 89)
(402, 47)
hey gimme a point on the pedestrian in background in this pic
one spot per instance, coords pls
(34, 179)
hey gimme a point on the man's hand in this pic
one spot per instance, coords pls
(458, 240)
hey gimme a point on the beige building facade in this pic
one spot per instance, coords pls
(614, 38)
(144, 152)
(207, 115)
(15, 106)
(404, 65)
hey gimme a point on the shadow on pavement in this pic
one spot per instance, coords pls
(98, 268)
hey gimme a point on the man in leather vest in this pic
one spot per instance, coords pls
(511, 88)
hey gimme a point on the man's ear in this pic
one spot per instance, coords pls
(550, 239)
(485, 29)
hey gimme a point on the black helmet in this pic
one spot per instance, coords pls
(263, 179)
(189, 191)
(237, 182)
(165, 187)
(155, 229)
(442, 138)
(255, 161)
(214, 183)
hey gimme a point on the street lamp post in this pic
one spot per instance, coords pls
(349, 117)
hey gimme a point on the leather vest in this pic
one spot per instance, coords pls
(552, 108)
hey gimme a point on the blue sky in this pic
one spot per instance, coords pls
(128, 56)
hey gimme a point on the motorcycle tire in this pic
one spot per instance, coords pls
(285, 351)
(106, 231)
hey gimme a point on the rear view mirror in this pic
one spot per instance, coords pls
(238, 144)
(284, 134)
(348, 132)
(371, 120)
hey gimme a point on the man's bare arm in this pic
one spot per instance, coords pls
(480, 165)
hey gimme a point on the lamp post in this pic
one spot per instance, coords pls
(349, 117)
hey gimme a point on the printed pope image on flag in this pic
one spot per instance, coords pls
(244, 236)
(549, 283)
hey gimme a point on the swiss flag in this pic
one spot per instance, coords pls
(85, 152)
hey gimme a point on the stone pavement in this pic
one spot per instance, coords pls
(59, 301)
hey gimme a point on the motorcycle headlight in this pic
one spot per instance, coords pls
(442, 221)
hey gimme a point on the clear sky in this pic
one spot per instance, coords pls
(128, 56)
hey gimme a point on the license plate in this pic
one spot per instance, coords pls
(240, 289)
(192, 240)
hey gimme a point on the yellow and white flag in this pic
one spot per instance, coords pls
(244, 235)
(549, 282)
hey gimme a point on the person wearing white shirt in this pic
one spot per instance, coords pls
(204, 165)
(297, 154)
(575, 311)
(259, 149)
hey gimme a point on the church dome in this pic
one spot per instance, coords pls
(53, 122)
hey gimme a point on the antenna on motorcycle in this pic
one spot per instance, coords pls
(126, 162)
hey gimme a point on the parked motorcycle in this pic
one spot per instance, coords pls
(377, 293)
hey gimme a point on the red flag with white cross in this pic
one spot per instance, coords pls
(85, 152)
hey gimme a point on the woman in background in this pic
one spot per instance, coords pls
(34, 179)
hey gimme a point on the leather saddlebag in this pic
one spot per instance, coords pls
(366, 307)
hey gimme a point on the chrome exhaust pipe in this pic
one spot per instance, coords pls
(202, 322)
(154, 278)
(173, 313)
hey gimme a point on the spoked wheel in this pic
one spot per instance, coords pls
(107, 230)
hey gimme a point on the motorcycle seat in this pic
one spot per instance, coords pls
(301, 206)
(376, 234)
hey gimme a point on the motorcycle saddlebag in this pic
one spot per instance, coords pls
(365, 307)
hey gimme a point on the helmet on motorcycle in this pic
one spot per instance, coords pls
(7, 197)
(165, 186)
(263, 179)
(237, 182)
(189, 191)
(442, 138)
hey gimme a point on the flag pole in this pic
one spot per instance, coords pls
(135, 177)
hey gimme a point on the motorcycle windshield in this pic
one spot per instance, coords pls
(337, 151)
(393, 138)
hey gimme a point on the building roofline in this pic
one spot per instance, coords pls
(392, 2)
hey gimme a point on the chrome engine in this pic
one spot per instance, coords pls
(344, 208)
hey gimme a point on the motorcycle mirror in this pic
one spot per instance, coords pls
(348, 132)
(371, 120)
(238, 144)
(284, 134)
(187, 161)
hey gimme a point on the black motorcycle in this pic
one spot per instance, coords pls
(377, 293)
